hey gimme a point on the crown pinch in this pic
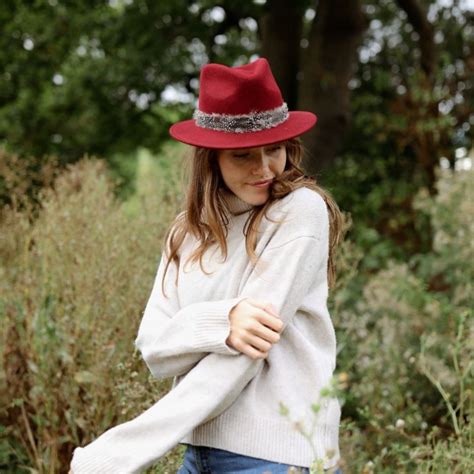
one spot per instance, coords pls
(253, 122)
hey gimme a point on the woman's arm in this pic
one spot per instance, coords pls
(172, 340)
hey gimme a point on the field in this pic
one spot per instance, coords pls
(76, 272)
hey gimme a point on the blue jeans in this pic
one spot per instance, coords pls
(206, 460)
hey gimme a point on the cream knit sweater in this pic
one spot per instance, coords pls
(220, 397)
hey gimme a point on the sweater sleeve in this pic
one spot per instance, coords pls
(172, 339)
(216, 381)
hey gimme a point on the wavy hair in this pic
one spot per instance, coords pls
(205, 194)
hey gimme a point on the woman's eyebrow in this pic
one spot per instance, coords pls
(249, 150)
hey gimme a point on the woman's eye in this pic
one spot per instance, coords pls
(275, 148)
(245, 155)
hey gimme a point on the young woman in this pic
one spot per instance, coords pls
(237, 313)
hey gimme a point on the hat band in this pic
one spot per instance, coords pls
(253, 122)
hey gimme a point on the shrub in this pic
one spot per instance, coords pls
(406, 337)
(74, 281)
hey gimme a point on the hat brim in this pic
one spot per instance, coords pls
(188, 132)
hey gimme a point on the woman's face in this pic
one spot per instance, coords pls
(244, 167)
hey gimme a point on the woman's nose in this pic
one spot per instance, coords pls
(262, 162)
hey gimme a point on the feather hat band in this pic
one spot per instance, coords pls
(240, 107)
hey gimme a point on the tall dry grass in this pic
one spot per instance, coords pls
(74, 280)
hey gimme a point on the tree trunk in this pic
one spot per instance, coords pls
(281, 28)
(417, 17)
(327, 66)
(426, 144)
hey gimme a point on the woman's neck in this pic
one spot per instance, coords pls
(236, 205)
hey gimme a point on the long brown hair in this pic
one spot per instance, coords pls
(205, 193)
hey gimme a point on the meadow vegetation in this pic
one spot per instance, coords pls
(77, 267)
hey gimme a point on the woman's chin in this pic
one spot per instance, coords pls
(258, 198)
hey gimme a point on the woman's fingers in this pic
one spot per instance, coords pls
(271, 321)
(251, 345)
(258, 343)
(253, 353)
(266, 333)
(269, 308)
(255, 327)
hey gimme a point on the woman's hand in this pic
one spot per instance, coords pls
(254, 328)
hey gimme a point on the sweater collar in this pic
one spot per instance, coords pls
(236, 205)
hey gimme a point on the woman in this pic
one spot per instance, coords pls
(238, 312)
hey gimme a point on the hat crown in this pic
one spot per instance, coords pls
(238, 90)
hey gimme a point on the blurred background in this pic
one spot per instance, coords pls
(89, 182)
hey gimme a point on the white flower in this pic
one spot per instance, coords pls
(400, 424)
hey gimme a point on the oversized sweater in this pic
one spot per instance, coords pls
(220, 397)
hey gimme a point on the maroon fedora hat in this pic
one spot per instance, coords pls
(240, 107)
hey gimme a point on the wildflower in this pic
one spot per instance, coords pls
(368, 468)
(400, 424)
(343, 377)
(343, 380)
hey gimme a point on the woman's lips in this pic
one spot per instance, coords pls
(263, 185)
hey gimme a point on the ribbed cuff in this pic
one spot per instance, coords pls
(212, 327)
(84, 462)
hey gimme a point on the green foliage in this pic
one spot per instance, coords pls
(328, 394)
(402, 123)
(87, 77)
(405, 335)
(450, 263)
